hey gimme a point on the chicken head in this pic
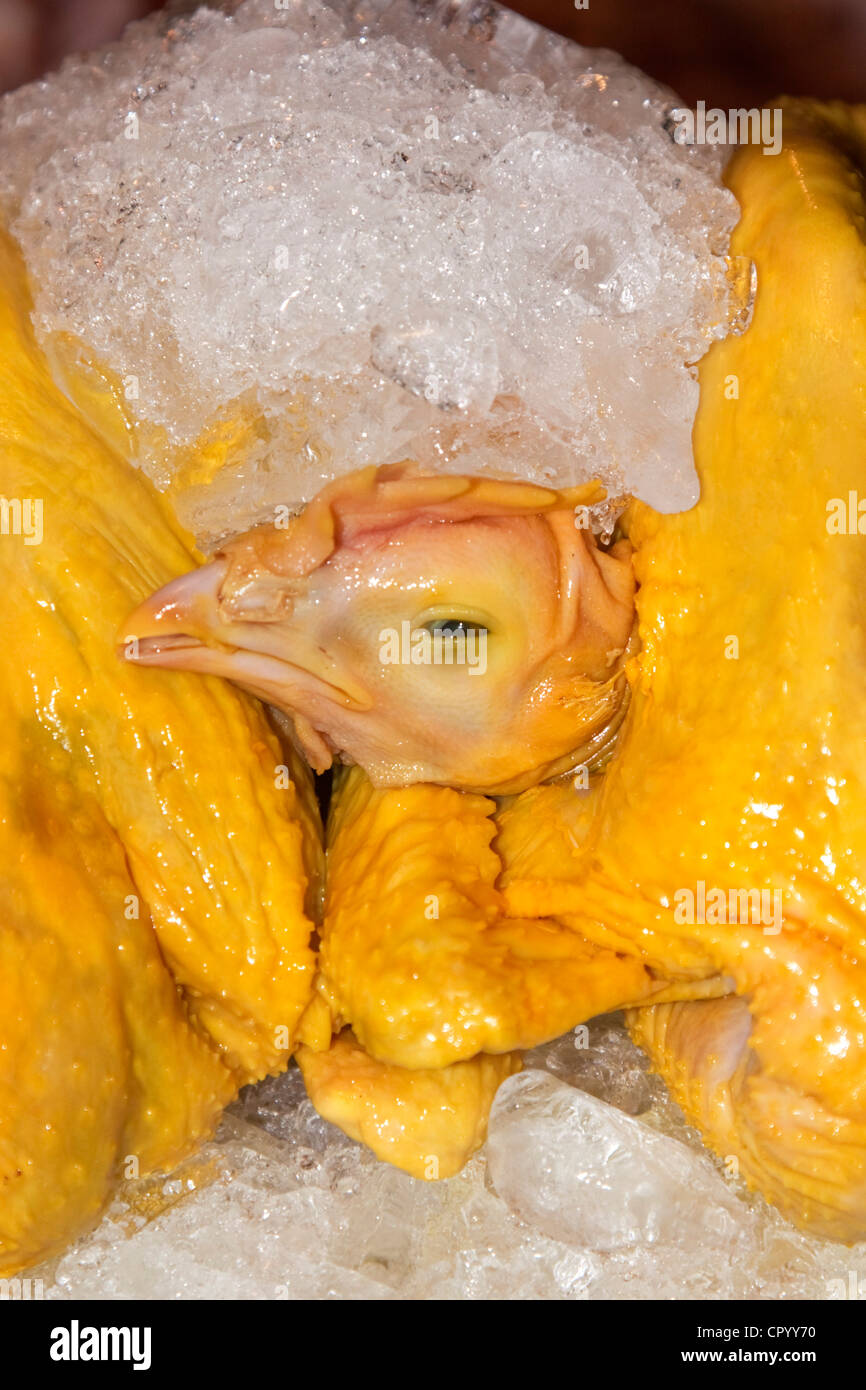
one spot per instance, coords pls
(457, 630)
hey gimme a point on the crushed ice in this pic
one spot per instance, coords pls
(575, 1197)
(385, 231)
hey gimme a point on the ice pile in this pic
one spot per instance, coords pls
(324, 233)
(581, 1198)
(570, 1165)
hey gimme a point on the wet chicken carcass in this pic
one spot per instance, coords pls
(440, 989)
(738, 770)
(458, 929)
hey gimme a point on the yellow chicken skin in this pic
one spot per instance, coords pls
(333, 619)
(740, 767)
(417, 953)
(101, 1071)
(158, 845)
(428, 1121)
(538, 838)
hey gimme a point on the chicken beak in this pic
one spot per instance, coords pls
(179, 624)
(184, 626)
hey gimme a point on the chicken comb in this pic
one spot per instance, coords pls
(378, 499)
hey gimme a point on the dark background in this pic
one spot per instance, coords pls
(725, 52)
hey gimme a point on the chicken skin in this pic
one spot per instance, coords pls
(159, 847)
(427, 1121)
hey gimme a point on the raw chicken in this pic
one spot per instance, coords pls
(458, 931)
(714, 873)
(158, 844)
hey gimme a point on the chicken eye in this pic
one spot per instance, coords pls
(453, 627)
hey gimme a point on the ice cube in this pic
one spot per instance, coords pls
(587, 1174)
(284, 1206)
